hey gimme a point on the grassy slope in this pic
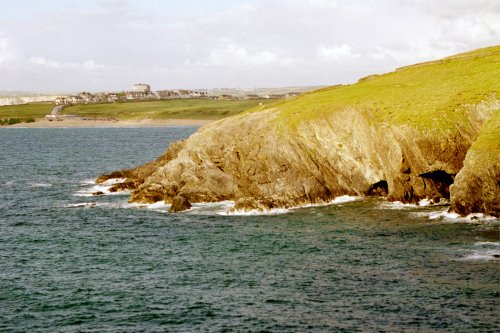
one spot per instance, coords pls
(427, 95)
(176, 109)
(34, 110)
(487, 144)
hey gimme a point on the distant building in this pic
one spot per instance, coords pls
(225, 96)
(141, 88)
(85, 97)
(139, 95)
(252, 96)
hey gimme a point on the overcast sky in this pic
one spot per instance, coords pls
(108, 45)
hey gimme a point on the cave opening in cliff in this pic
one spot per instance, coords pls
(441, 181)
(379, 188)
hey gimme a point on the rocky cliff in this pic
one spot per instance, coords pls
(404, 135)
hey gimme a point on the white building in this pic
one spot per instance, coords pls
(141, 87)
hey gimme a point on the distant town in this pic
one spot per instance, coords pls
(143, 92)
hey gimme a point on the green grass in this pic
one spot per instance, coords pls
(488, 141)
(34, 110)
(168, 109)
(428, 95)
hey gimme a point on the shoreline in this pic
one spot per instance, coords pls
(103, 123)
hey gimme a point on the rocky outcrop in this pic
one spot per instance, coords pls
(248, 159)
(319, 146)
(477, 185)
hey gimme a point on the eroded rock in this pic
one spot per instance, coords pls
(179, 204)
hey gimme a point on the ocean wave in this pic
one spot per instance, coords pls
(445, 215)
(422, 203)
(100, 189)
(225, 207)
(113, 181)
(483, 251)
(81, 205)
(40, 184)
(345, 198)
(210, 208)
(273, 211)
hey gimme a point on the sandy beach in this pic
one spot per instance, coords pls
(44, 123)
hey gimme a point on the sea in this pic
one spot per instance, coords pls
(74, 262)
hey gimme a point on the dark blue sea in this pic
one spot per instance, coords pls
(74, 262)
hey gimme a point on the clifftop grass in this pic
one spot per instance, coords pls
(488, 142)
(168, 109)
(427, 95)
(33, 110)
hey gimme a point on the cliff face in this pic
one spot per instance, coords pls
(326, 144)
(477, 185)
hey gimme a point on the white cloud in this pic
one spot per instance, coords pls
(6, 54)
(417, 51)
(109, 45)
(236, 56)
(337, 52)
(89, 65)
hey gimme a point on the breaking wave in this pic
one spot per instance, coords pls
(483, 251)
(100, 189)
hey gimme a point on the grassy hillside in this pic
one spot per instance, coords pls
(427, 95)
(168, 109)
(34, 110)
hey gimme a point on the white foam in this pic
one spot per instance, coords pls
(443, 214)
(210, 208)
(225, 207)
(397, 205)
(81, 204)
(488, 244)
(484, 251)
(158, 206)
(103, 187)
(425, 202)
(114, 181)
(422, 203)
(89, 192)
(40, 185)
(273, 211)
(344, 198)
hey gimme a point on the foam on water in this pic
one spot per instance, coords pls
(224, 208)
(113, 181)
(103, 187)
(211, 208)
(397, 205)
(88, 182)
(40, 184)
(81, 205)
(483, 251)
(454, 217)
(422, 203)
(344, 198)
(274, 211)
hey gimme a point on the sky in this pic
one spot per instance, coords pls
(109, 45)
